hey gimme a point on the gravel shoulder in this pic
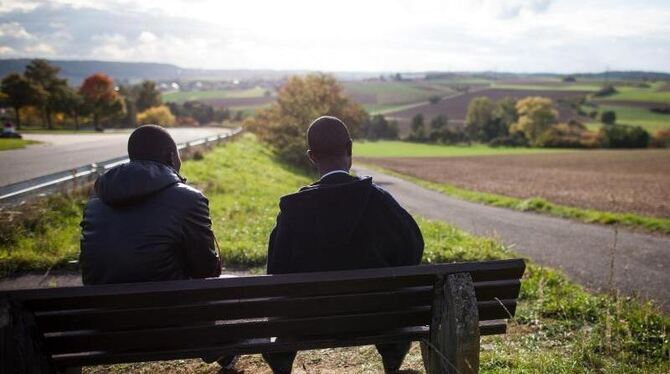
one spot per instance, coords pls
(641, 261)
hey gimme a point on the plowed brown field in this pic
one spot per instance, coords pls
(623, 181)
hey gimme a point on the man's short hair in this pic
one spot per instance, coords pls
(151, 142)
(328, 137)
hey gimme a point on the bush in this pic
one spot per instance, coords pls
(196, 111)
(608, 117)
(158, 115)
(661, 139)
(567, 135)
(606, 90)
(434, 99)
(514, 140)
(623, 136)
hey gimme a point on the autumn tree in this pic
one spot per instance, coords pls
(20, 92)
(147, 96)
(479, 116)
(536, 115)
(45, 76)
(301, 100)
(100, 98)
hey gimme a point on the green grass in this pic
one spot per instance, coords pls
(388, 148)
(638, 117)
(397, 93)
(651, 94)
(182, 96)
(540, 205)
(7, 144)
(558, 86)
(559, 327)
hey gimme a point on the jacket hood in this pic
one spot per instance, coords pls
(328, 213)
(132, 182)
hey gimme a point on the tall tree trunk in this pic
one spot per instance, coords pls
(17, 115)
(50, 125)
(96, 122)
(76, 121)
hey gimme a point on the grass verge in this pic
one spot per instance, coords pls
(559, 327)
(540, 205)
(7, 144)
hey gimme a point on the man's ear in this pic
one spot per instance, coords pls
(311, 157)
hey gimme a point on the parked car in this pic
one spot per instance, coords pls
(8, 131)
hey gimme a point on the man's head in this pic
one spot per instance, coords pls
(154, 143)
(329, 144)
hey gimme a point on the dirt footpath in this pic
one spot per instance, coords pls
(621, 181)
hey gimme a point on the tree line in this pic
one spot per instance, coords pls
(40, 92)
(531, 121)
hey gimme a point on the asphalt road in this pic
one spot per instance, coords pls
(582, 251)
(59, 152)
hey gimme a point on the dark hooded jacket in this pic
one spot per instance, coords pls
(341, 223)
(142, 223)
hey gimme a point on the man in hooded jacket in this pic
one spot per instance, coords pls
(143, 223)
(341, 222)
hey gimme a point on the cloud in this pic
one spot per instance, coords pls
(14, 31)
(375, 35)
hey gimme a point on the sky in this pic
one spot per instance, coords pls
(561, 36)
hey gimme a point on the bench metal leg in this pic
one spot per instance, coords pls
(454, 331)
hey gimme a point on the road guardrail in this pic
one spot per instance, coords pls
(74, 178)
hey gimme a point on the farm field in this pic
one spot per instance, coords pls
(382, 96)
(620, 181)
(182, 96)
(455, 108)
(389, 148)
(637, 115)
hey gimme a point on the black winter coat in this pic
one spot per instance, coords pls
(341, 223)
(142, 223)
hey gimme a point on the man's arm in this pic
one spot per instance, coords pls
(202, 259)
(279, 250)
(408, 239)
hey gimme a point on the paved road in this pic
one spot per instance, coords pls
(582, 251)
(66, 151)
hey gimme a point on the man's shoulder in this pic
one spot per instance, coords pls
(185, 192)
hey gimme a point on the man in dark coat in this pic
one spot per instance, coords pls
(340, 222)
(143, 223)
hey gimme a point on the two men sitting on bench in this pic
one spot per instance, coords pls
(138, 225)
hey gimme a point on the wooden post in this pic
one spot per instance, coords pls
(454, 331)
(21, 345)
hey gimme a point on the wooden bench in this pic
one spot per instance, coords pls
(446, 306)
